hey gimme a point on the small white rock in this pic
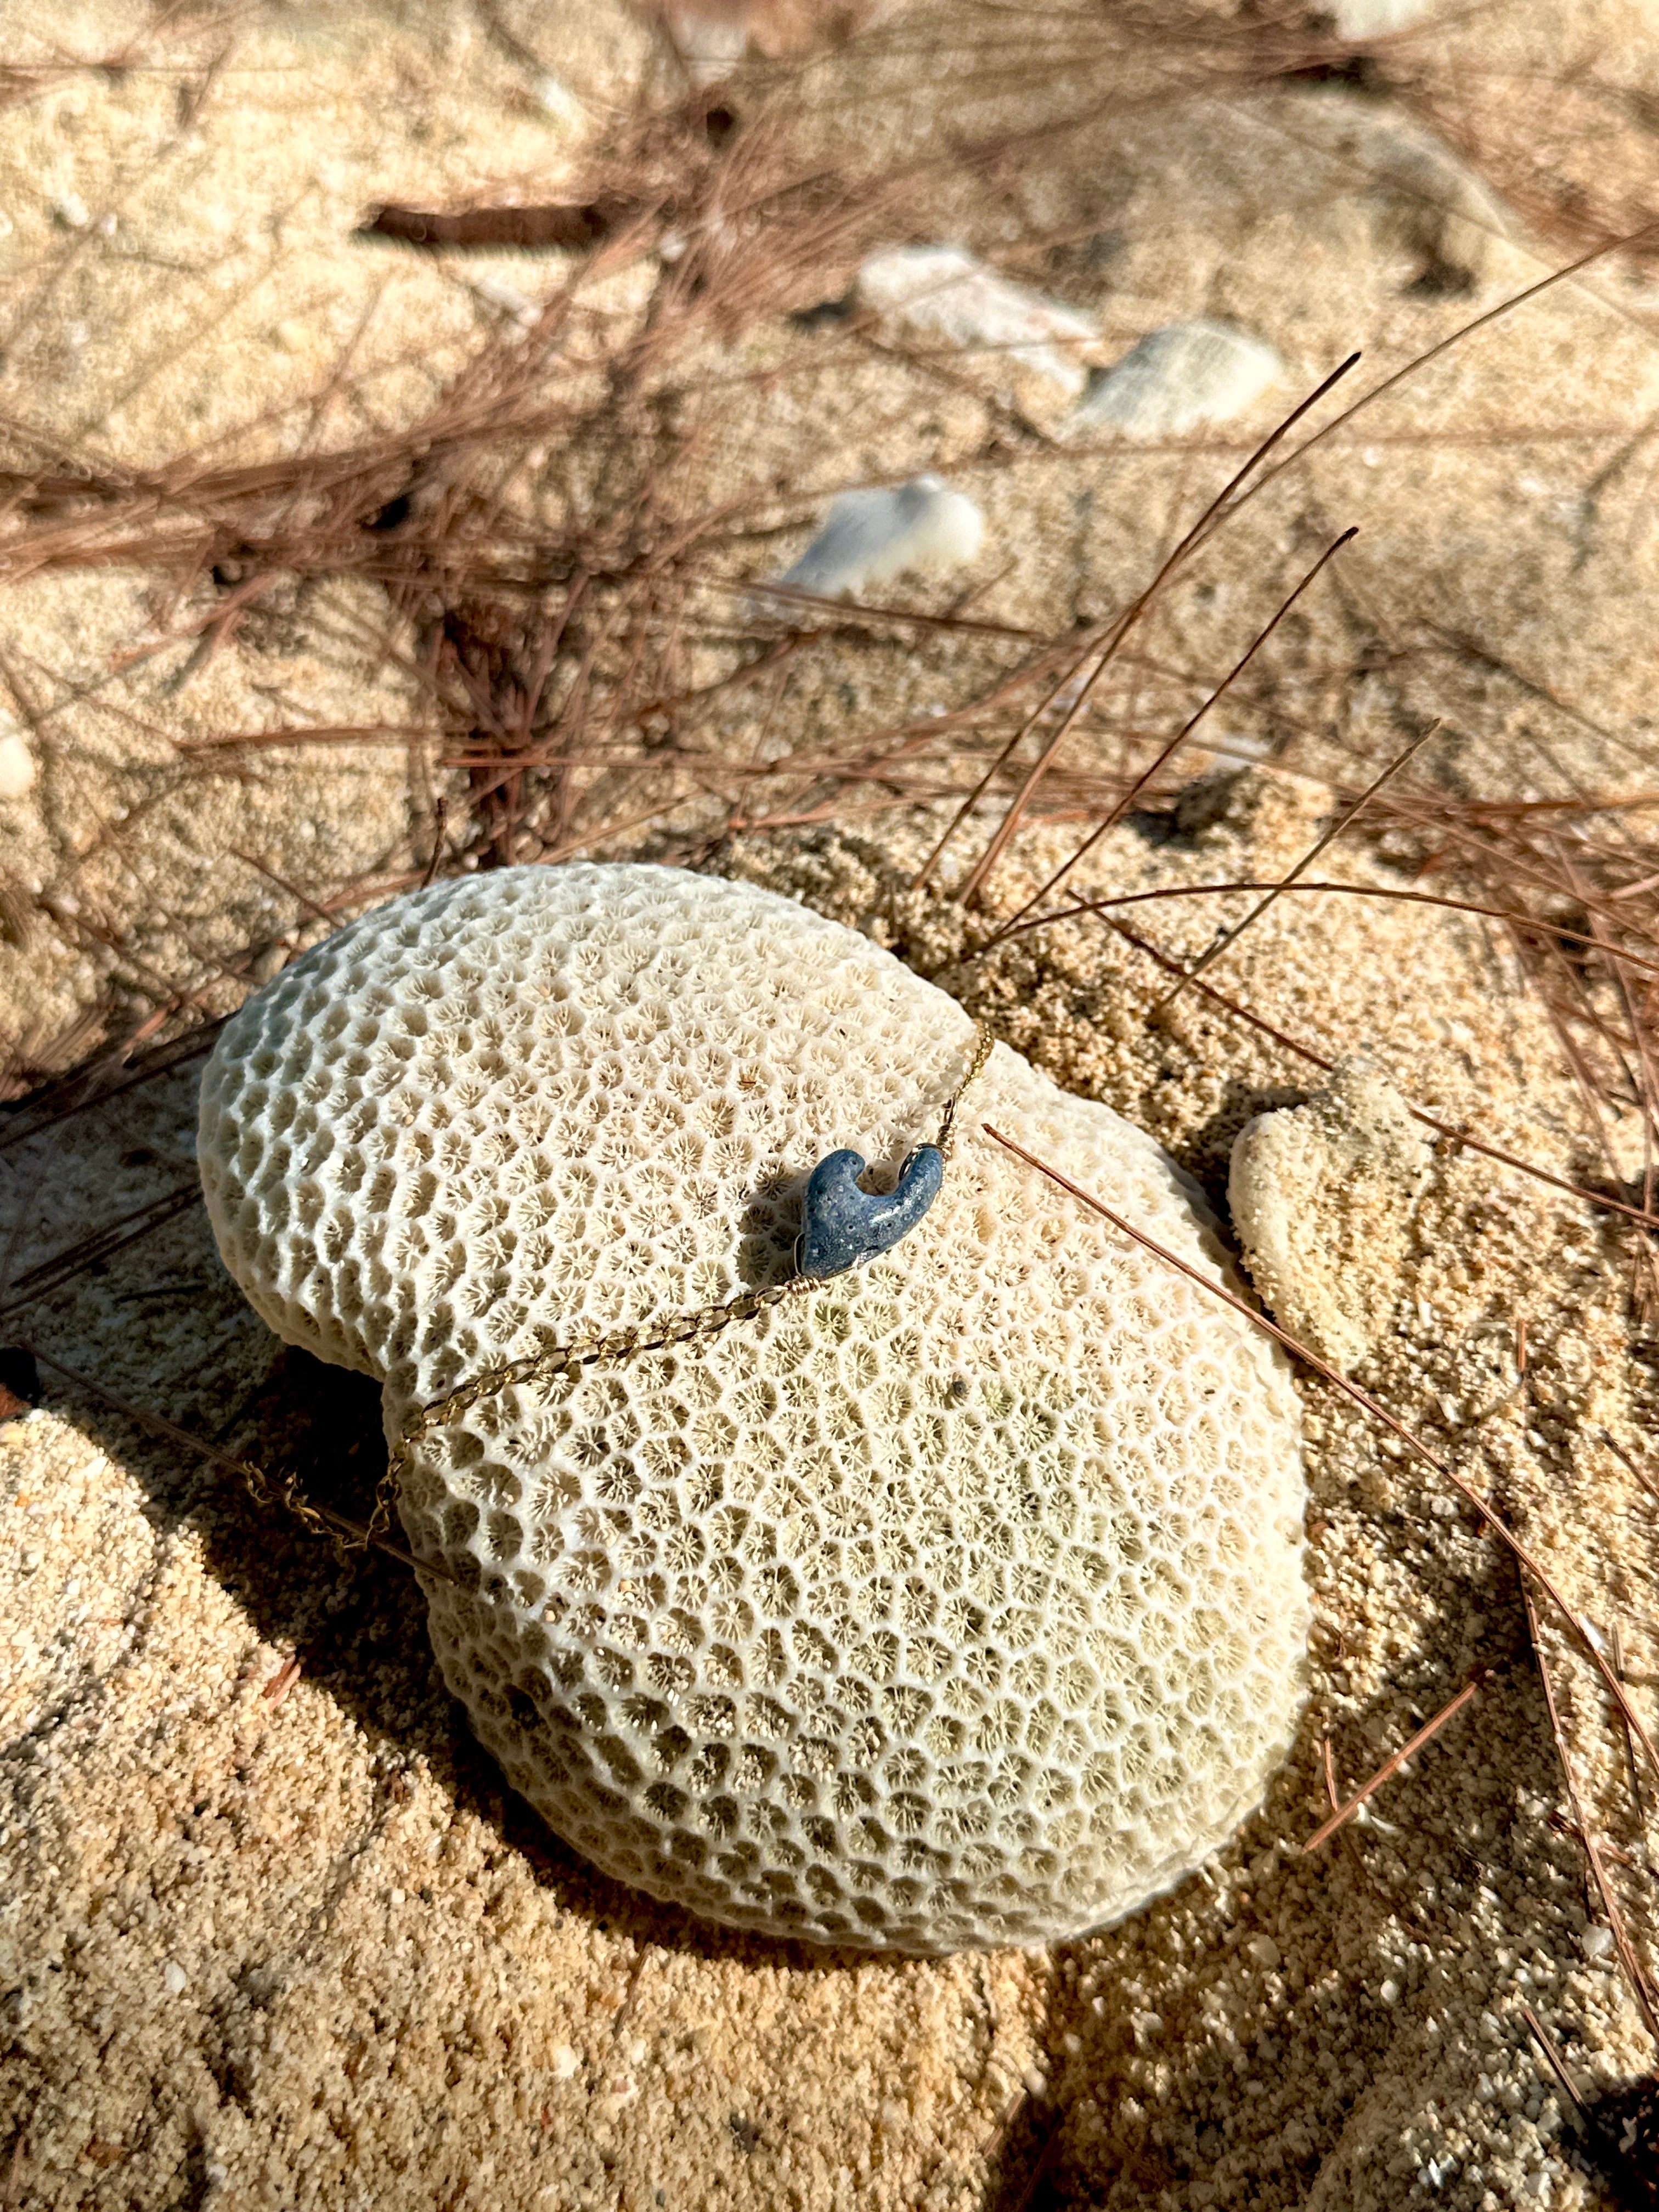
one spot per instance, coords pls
(565, 2062)
(712, 36)
(1264, 1951)
(559, 104)
(1177, 379)
(1597, 1943)
(16, 765)
(870, 537)
(1375, 19)
(173, 1974)
(944, 292)
(507, 297)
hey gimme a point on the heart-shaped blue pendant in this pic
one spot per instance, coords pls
(842, 1226)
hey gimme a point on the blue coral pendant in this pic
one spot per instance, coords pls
(842, 1226)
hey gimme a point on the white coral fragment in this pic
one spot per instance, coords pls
(947, 295)
(1322, 1196)
(870, 537)
(1177, 379)
(956, 1602)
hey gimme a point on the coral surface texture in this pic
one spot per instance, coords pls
(956, 1602)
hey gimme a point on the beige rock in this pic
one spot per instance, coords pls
(1422, 200)
(1322, 1197)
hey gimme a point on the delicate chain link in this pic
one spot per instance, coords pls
(983, 1042)
(567, 1359)
(562, 1359)
(284, 1490)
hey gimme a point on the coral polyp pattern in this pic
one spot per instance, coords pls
(954, 1600)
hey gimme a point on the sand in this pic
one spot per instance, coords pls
(272, 1931)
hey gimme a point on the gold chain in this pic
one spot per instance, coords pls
(983, 1042)
(284, 1490)
(567, 1359)
(561, 1359)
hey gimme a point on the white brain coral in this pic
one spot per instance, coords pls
(957, 1601)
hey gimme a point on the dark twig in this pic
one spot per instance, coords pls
(51, 1274)
(1392, 1765)
(1634, 1971)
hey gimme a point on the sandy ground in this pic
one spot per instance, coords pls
(182, 273)
(271, 1932)
(277, 1936)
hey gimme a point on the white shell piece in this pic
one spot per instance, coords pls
(1375, 19)
(711, 37)
(16, 764)
(500, 294)
(1177, 379)
(870, 537)
(957, 1601)
(945, 293)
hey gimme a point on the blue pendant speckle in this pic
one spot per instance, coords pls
(842, 1226)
